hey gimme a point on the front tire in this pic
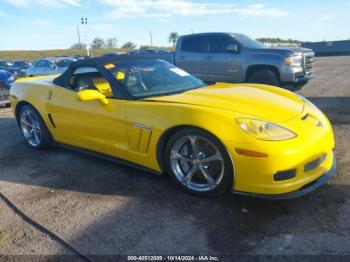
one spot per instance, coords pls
(199, 163)
(264, 76)
(33, 128)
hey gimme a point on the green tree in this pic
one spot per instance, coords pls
(173, 37)
(98, 43)
(111, 43)
(129, 45)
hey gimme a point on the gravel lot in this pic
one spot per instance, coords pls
(105, 208)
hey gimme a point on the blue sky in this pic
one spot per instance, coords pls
(51, 24)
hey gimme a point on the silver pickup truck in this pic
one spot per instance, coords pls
(229, 57)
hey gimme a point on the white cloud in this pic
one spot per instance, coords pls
(326, 18)
(261, 10)
(163, 9)
(18, 2)
(42, 22)
(54, 3)
(2, 13)
(70, 28)
(101, 26)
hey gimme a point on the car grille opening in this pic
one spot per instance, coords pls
(315, 163)
(285, 175)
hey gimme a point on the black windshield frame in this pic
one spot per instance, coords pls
(100, 64)
(160, 62)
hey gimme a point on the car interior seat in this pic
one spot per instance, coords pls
(84, 82)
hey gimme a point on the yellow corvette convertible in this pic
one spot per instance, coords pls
(251, 139)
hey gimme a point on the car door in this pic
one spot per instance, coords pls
(88, 124)
(219, 63)
(190, 53)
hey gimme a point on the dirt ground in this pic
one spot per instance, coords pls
(105, 208)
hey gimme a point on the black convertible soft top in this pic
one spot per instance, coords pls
(95, 62)
(103, 60)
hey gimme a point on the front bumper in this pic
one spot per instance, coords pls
(303, 79)
(311, 186)
(304, 159)
(294, 76)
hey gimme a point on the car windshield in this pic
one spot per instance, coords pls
(19, 63)
(4, 63)
(64, 62)
(248, 42)
(148, 78)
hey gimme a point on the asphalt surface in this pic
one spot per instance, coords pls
(105, 208)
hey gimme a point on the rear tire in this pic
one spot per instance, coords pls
(33, 128)
(264, 76)
(199, 163)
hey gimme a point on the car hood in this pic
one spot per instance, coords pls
(261, 101)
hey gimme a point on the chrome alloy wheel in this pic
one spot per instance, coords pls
(31, 127)
(197, 163)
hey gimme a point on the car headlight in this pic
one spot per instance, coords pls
(295, 60)
(264, 130)
(306, 101)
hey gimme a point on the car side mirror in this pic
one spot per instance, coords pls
(232, 48)
(90, 95)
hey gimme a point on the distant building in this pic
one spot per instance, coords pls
(329, 48)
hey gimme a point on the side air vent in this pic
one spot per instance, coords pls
(140, 136)
(51, 120)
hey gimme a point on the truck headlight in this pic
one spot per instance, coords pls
(295, 60)
(264, 130)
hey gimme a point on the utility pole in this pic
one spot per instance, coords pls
(84, 21)
(78, 35)
(116, 45)
(150, 33)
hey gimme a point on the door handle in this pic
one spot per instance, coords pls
(208, 57)
(182, 57)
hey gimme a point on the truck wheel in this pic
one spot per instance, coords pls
(264, 76)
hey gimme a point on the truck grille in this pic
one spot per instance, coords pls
(309, 63)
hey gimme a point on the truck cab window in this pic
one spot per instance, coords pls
(192, 44)
(219, 43)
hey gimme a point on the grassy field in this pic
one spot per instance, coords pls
(36, 54)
